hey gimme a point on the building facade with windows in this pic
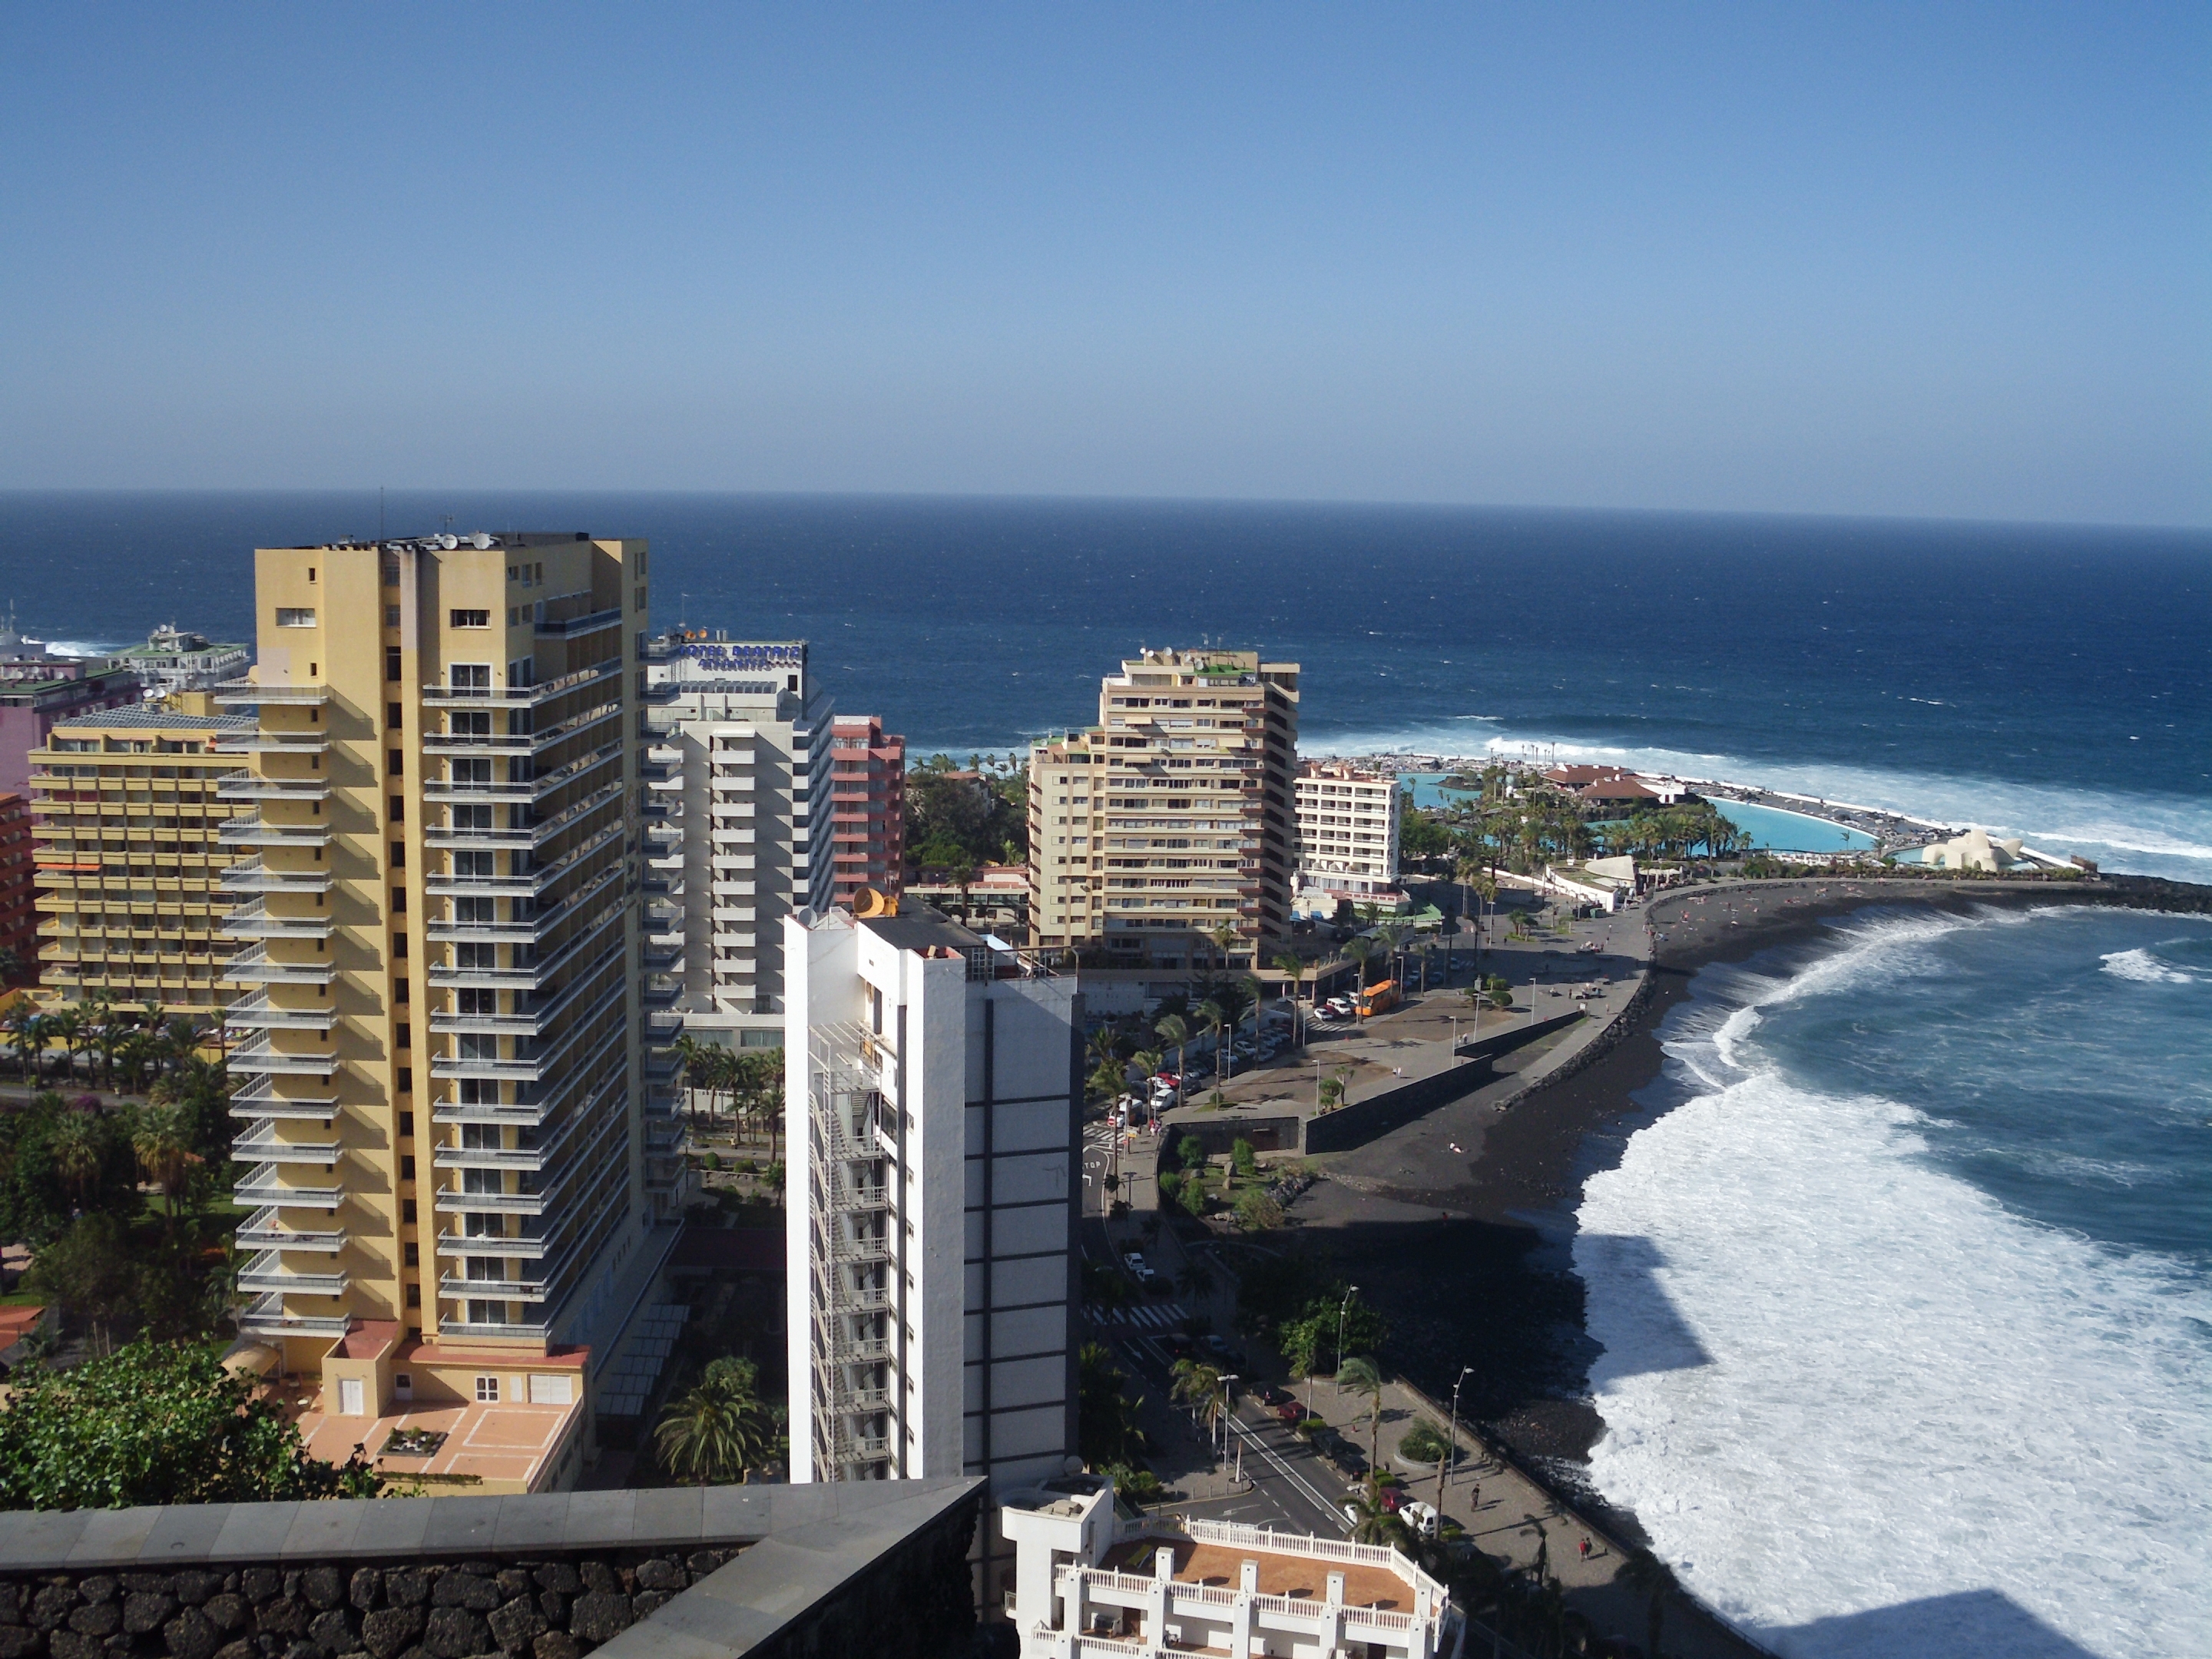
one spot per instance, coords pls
(454, 1174)
(37, 696)
(867, 808)
(128, 808)
(1164, 837)
(931, 1194)
(1348, 821)
(737, 779)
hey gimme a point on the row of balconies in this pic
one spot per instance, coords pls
(521, 743)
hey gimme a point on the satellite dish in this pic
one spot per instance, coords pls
(482, 538)
(870, 901)
(449, 543)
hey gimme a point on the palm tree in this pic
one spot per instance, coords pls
(1647, 1573)
(1199, 1387)
(1224, 936)
(715, 1431)
(164, 1153)
(67, 1028)
(1174, 1031)
(1362, 950)
(27, 1030)
(690, 1052)
(1292, 967)
(1359, 1376)
(1212, 1016)
(1375, 1524)
(1198, 1280)
(78, 1153)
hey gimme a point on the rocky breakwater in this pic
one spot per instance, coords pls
(544, 1607)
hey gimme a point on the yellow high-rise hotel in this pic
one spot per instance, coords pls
(456, 1173)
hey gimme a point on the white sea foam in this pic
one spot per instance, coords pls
(2142, 835)
(2144, 968)
(1838, 1381)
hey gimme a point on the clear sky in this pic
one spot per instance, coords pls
(1913, 259)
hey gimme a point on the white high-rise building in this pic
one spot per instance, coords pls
(933, 1081)
(1348, 823)
(737, 826)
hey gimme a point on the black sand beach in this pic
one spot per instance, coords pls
(1469, 1256)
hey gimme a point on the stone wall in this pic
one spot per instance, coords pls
(545, 1607)
(876, 1567)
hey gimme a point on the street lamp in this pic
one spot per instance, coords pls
(1341, 1312)
(1451, 1444)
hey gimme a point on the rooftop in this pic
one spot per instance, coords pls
(150, 717)
(922, 931)
(1301, 1578)
(479, 539)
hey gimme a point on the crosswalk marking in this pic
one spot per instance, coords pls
(1148, 1316)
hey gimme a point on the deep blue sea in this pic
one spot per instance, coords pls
(2054, 683)
(1906, 1303)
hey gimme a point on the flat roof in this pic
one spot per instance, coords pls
(920, 932)
(1302, 1577)
(152, 717)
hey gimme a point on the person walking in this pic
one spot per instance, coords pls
(1586, 1549)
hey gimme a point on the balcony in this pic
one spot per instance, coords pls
(526, 696)
(268, 1149)
(259, 1100)
(274, 743)
(251, 694)
(520, 1070)
(263, 1057)
(252, 832)
(267, 1273)
(255, 967)
(520, 743)
(457, 1247)
(288, 1198)
(255, 1012)
(268, 1318)
(529, 836)
(253, 920)
(261, 1232)
(491, 1203)
(511, 1289)
(253, 786)
(252, 876)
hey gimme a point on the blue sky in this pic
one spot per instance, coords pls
(1920, 259)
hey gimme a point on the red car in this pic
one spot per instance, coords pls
(1290, 1412)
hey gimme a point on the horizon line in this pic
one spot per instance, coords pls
(1078, 498)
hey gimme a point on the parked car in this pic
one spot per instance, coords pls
(1290, 1413)
(1271, 1396)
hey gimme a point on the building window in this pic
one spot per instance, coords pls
(471, 618)
(407, 1210)
(414, 1255)
(287, 617)
(414, 1300)
(392, 662)
(487, 1387)
(407, 1171)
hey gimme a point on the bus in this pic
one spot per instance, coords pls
(1378, 998)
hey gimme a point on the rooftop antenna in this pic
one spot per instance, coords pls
(684, 611)
(379, 512)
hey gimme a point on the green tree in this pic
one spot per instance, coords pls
(1199, 1388)
(157, 1423)
(1360, 1376)
(1174, 1031)
(91, 1272)
(718, 1431)
(1375, 1523)
(1292, 967)
(1107, 1428)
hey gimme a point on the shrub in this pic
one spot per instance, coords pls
(1190, 1152)
(1241, 1155)
(1258, 1211)
(1170, 1184)
(1421, 1444)
(712, 1161)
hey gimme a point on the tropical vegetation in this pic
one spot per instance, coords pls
(157, 1423)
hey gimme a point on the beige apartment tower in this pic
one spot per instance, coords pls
(127, 812)
(454, 1172)
(1170, 826)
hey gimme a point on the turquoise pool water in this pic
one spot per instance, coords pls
(1768, 827)
(1794, 832)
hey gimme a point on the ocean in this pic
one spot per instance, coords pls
(1905, 1303)
(2047, 682)
(1906, 1291)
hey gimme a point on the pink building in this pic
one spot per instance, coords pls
(868, 806)
(31, 707)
